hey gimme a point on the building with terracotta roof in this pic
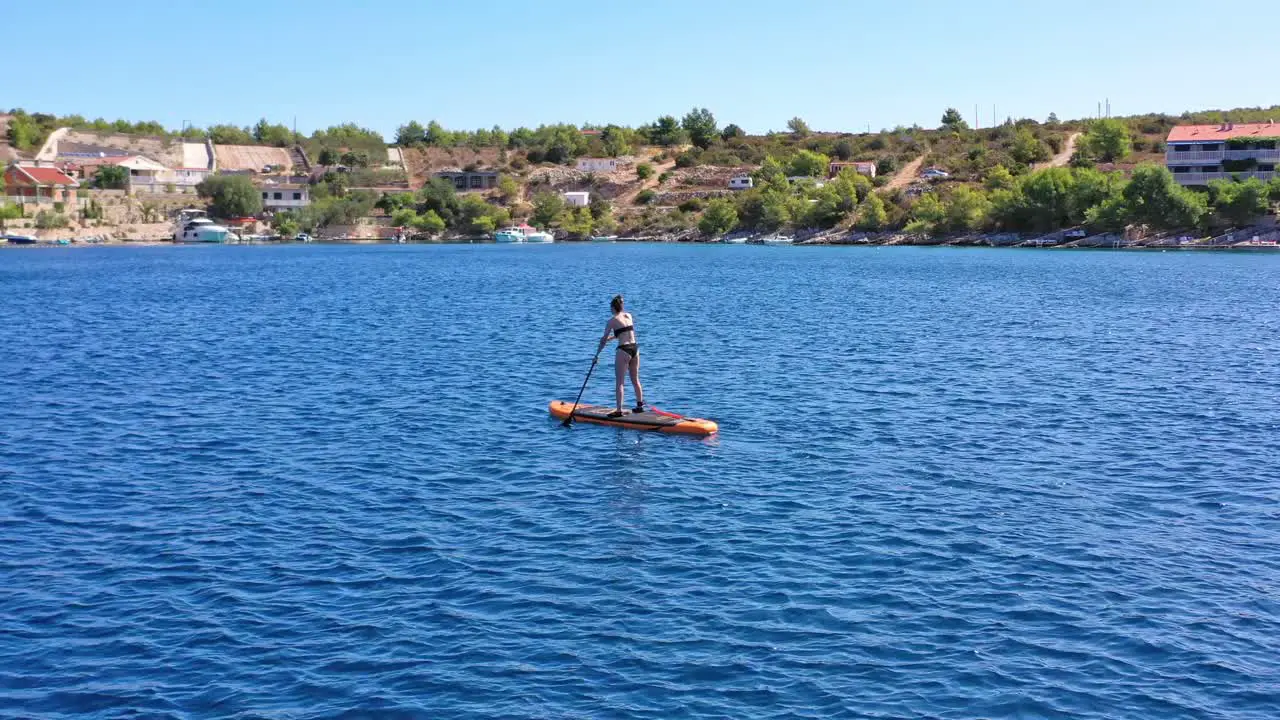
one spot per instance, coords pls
(1196, 154)
(38, 184)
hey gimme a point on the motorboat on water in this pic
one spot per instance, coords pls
(194, 226)
(735, 241)
(509, 235)
(604, 238)
(778, 240)
(522, 234)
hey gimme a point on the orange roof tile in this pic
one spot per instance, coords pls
(46, 176)
(1225, 131)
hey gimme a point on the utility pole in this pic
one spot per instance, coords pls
(977, 121)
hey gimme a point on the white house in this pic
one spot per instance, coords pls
(285, 196)
(597, 164)
(741, 182)
(577, 199)
(862, 167)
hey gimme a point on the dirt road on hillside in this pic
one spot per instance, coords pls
(906, 174)
(628, 198)
(1064, 157)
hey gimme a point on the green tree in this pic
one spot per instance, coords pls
(268, 134)
(350, 137)
(509, 189)
(430, 223)
(23, 132)
(809, 163)
(230, 135)
(772, 173)
(478, 216)
(111, 177)
(732, 131)
(547, 209)
(928, 214)
(701, 127)
(1107, 140)
(327, 157)
(9, 212)
(439, 196)
(798, 127)
(1239, 203)
(967, 209)
(953, 120)
(644, 171)
(1154, 198)
(354, 158)
(666, 131)
(231, 196)
(1027, 148)
(871, 214)
(719, 218)
(405, 217)
(1047, 199)
(391, 202)
(578, 223)
(411, 133)
(1053, 119)
(998, 178)
(775, 210)
(617, 140)
(286, 224)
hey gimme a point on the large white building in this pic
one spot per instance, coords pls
(1196, 154)
(285, 196)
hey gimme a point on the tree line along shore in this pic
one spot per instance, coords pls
(1011, 183)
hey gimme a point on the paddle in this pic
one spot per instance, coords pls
(595, 359)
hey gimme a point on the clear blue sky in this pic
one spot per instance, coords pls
(839, 64)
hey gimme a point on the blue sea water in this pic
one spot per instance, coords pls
(298, 482)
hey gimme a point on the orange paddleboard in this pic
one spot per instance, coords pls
(650, 420)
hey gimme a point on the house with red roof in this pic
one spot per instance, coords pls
(1196, 154)
(39, 184)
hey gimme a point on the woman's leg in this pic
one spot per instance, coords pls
(635, 380)
(620, 359)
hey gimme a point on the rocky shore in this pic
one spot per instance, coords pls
(1264, 236)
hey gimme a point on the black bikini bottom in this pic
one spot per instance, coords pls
(630, 349)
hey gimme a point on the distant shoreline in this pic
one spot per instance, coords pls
(954, 242)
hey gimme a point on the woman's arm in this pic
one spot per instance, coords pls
(608, 335)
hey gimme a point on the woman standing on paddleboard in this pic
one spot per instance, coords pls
(627, 357)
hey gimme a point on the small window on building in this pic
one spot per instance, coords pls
(277, 196)
(297, 196)
(1266, 168)
(1267, 145)
(1212, 147)
(1179, 169)
(1181, 148)
(264, 196)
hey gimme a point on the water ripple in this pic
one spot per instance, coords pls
(321, 482)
